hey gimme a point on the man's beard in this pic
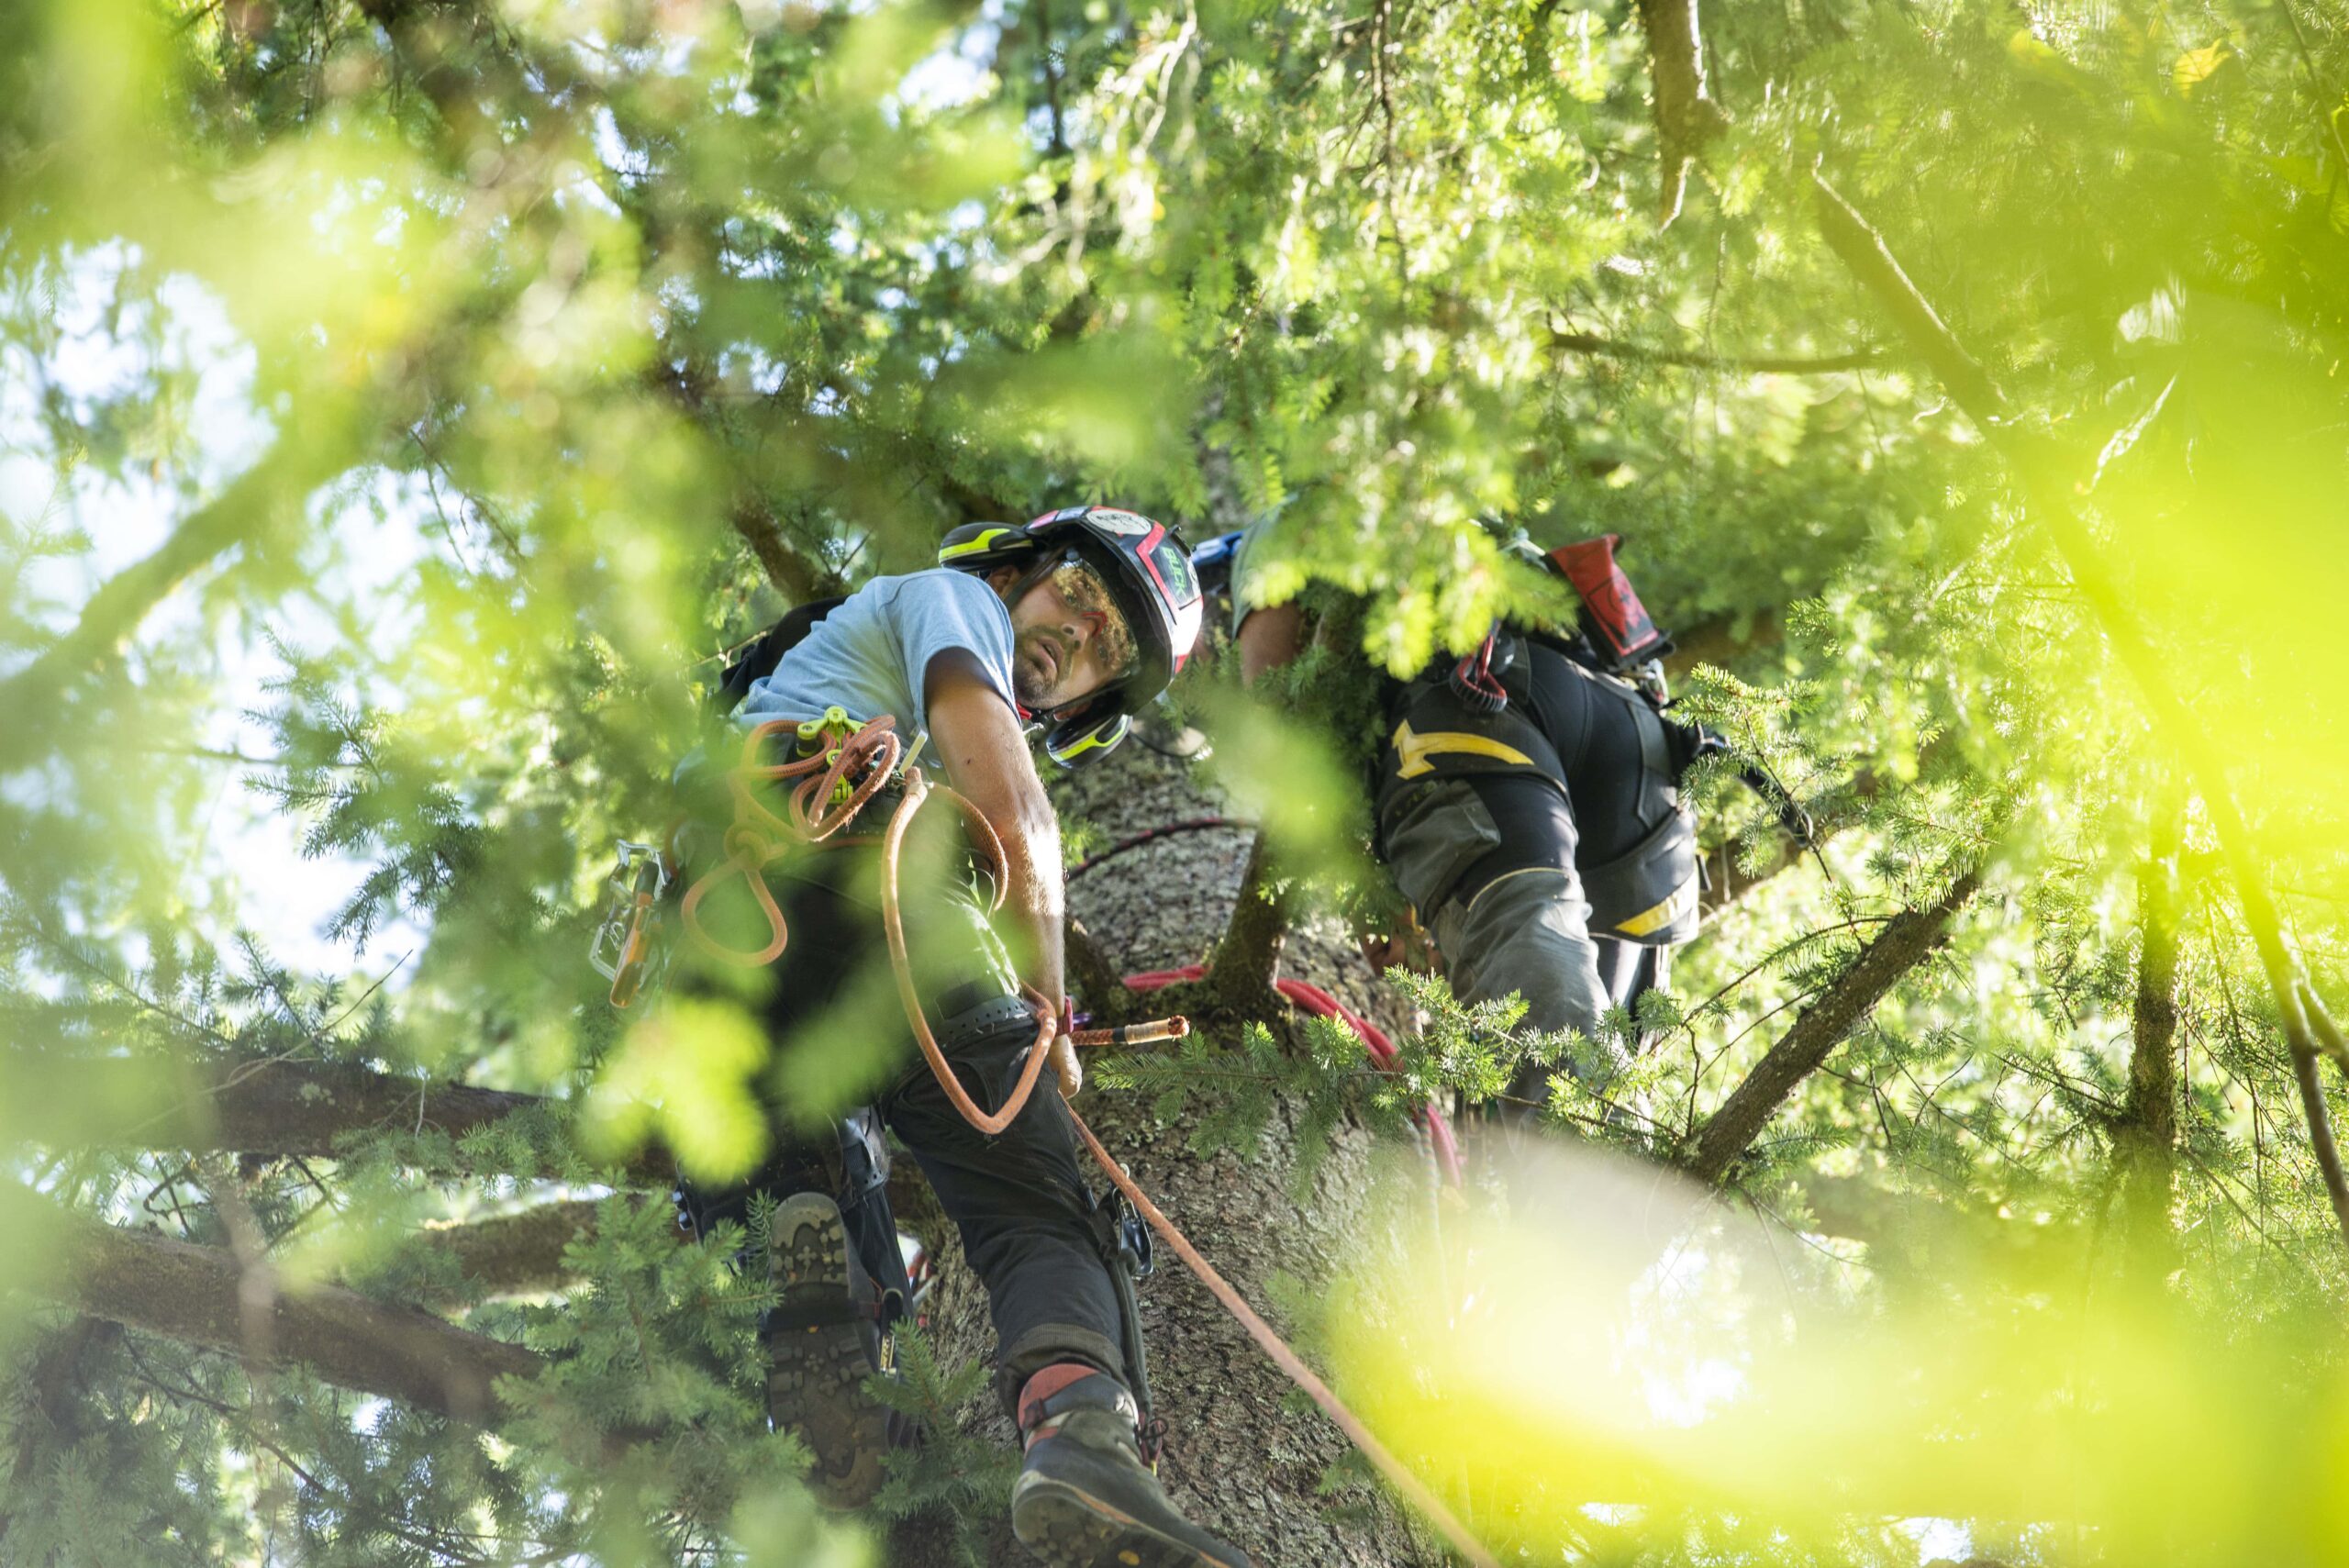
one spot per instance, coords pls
(1029, 684)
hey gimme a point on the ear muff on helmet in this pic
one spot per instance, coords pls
(1087, 738)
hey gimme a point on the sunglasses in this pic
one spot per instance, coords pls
(1082, 589)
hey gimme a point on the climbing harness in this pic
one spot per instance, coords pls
(829, 795)
(842, 770)
(1475, 680)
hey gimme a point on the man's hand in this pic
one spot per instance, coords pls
(1064, 1059)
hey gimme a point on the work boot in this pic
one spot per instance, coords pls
(1084, 1498)
(824, 1338)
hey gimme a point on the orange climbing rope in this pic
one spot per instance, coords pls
(1288, 1361)
(822, 804)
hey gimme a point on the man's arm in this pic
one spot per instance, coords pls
(1269, 638)
(980, 743)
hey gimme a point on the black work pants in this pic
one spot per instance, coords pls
(846, 1063)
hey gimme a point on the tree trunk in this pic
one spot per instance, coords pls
(270, 1107)
(2146, 1134)
(1239, 1457)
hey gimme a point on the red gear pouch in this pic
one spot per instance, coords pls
(1613, 614)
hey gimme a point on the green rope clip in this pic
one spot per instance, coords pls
(835, 726)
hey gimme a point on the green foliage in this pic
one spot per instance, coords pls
(402, 405)
(1229, 1097)
(955, 1481)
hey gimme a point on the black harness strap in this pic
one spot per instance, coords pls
(1584, 776)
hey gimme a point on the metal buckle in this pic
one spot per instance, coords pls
(1132, 1238)
(623, 939)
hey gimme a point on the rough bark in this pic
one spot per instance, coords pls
(1905, 941)
(2308, 1029)
(192, 1294)
(510, 1253)
(1237, 1457)
(1249, 955)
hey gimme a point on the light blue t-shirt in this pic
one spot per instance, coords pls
(870, 655)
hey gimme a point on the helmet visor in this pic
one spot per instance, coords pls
(1109, 647)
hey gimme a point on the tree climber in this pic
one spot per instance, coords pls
(1070, 623)
(1527, 804)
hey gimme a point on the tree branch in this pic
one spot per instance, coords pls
(2146, 1133)
(98, 640)
(190, 1294)
(799, 578)
(270, 1107)
(53, 1373)
(750, 513)
(1686, 116)
(1905, 941)
(510, 1253)
(2320, 1141)
(1871, 261)
(1772, 364)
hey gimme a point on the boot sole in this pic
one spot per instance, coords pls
(1067, 1526)
(816, 1373)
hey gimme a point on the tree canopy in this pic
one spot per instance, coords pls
(404, 405)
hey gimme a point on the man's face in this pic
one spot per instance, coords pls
(1068, 639)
